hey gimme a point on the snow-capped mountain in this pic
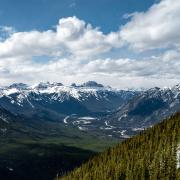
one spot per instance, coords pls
(140, 112)
(92, 106)
(148, 108)
(88, 98)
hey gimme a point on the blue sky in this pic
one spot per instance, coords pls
(41, 14)
(124, 44)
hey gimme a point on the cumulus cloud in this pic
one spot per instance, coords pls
(156, 28)
(72, 36)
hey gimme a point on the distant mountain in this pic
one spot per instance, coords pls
(89, 98)
(148, 108)
(145, 109)
(154, 154)
(91, 106)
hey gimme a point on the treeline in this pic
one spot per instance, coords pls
(152, 155)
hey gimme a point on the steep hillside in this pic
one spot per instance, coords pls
(144, 110)
(149, 107)
(154, 154)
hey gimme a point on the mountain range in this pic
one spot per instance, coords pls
(92, 107)
(75, 105)
(88, 98)
(146, 109)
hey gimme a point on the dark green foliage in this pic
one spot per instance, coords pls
(33, 149)
(150, 155)
(33, 159)
(40, 161)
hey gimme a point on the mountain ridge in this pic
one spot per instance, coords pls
(90, 96)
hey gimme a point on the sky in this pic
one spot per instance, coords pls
(124, 44)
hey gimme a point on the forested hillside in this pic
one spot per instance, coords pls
(33, 149)
(154, 154)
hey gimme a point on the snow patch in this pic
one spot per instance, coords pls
(83, 122)
(138, 129)
(86, 118)
(123, 132)
(10, 169)
(82, 128)
(178, 157)
(65, 119)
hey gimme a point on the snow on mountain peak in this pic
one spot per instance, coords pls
(88, 88)
(60, 92)
(45, 85)
(57, 91)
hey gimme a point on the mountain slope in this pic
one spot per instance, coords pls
(154, 154)
(33, 148)
(86, 99)
(146, 109)
(17, 128)
(77, 106)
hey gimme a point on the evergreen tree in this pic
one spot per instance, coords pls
(151, 155)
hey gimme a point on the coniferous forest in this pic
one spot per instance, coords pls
(151, 155)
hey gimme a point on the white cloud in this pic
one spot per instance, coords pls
(78, 52)
(156, 28)
(72, 36)
(156, 71)
(7, 29)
